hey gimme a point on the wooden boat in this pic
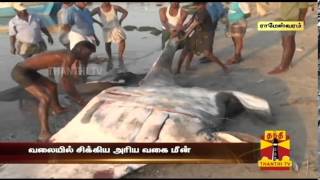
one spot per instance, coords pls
(41, 8)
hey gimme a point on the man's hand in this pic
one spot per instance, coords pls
(12, 44)
(179, 28)
(184, 37)
(123, 11)
(50, 40)
(174, 33)
(13, 50)
(46, 32)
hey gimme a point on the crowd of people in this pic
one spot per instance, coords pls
(79, 39)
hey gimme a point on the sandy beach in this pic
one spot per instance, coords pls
(292, 95)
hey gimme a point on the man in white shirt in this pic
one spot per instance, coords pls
(25, 34)
(172, 18)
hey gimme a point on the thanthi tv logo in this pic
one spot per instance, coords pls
(275, 151)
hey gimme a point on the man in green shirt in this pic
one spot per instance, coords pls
(237, 18)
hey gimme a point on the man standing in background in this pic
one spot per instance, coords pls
(292, 11)
(78, 23)
(172, 18)
(237, 18)
(63, 37)
(25, 34)
(216, 11)
(112, 30)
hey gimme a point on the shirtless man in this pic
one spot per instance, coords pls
(289, 12)
(44, 90)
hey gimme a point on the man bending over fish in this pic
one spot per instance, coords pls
(45, 91)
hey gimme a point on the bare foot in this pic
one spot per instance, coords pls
(278, 70)
(59, 110)
(234, 60)
(44, 137)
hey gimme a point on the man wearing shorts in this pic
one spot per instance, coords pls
(45, 91)
(292, 11)
(216, 11)
(237, 14)
(25, 34)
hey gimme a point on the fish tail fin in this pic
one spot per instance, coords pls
(255, 105)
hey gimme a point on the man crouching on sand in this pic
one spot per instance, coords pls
(45, 91)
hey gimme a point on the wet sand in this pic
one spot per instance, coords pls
(292, 95)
